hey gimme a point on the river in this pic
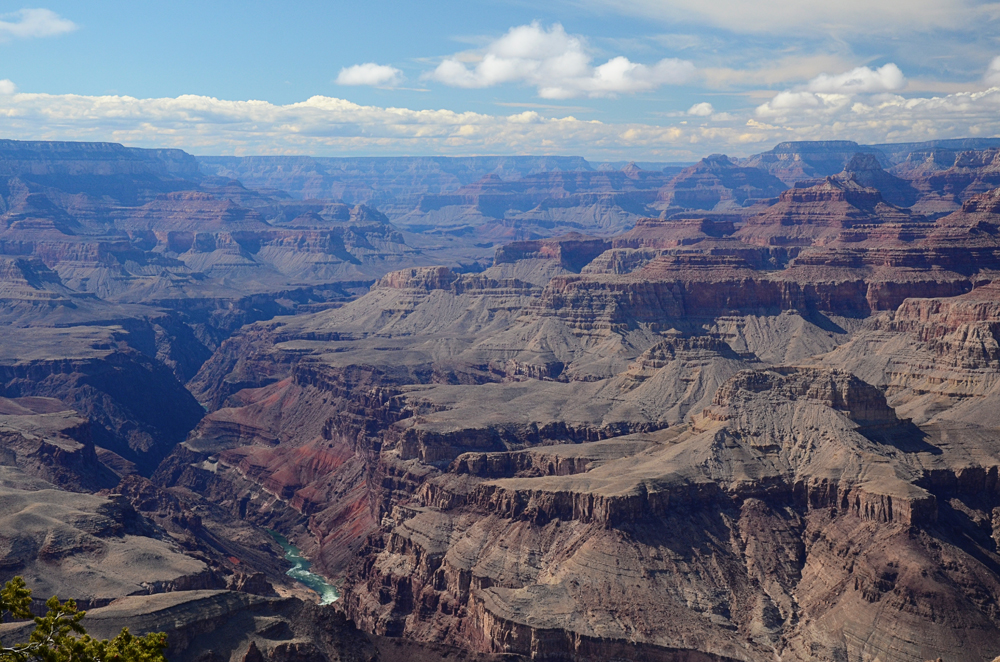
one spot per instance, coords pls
(300, 570)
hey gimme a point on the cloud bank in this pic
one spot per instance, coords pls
(31, 23)
(831, 93)
(558, 65)
(376, 75)
(330, 126)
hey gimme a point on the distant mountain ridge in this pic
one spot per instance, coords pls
(378, 179)
(39, 157)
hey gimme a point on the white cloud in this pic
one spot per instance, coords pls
(847, 17)
(321, 125)
(29, 23)
(558, 65)
(369, 73)
(887, 78)
(328, 126)
(878, 118)
(703, 109)
(992, 76)
(7, 87)
(792, 102)
(830, 93)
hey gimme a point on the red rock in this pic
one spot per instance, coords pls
(717, 182)
(804, 216)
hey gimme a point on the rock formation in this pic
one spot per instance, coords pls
(866, 170)
(796, 161)
(718, 183)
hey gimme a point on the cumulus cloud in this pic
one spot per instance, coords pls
(828, 93)
(792, 102)
(7, 87)
(558, 65)
(887, 78)
(703, 109)
(369, 73)
(30, 23)
(992, 76)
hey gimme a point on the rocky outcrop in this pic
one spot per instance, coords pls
(796, 161)
(716, 182)
(44, 439)
(804, 216)
(226, 626)
(136, 407)
(946, 180)
(866, 170)
(981, 211)
(673, 233)
(97, 547)
(935, 357)
(121, 224)
(573, 251)
(45, 158)
(667, 289)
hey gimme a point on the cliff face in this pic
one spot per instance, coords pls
(142, 226)
(932, 178)
(136, 407)
(718, 539)
(716, 182)
(935, 357)
(804, 216)
(44, 439)
(796, 161)
(866, 170)
(462, 514)
(572, 252)
(43, 158)
(191, 244)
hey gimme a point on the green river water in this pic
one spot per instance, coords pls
(300, 570)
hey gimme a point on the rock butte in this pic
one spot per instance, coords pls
(513, 407)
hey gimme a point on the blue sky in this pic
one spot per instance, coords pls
(607, 79)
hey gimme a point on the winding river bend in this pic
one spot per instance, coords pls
(300, 570)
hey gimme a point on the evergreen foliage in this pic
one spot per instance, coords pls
(59, 637)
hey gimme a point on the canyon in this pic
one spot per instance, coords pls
(510, 407)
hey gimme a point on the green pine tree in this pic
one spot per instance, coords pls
(59, 637)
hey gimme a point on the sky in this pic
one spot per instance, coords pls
(649, 80)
